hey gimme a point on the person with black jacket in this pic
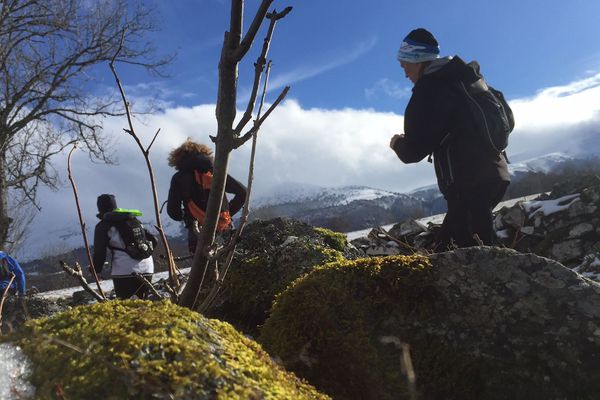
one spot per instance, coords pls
(190, 187)
(109, 246)
(437, 122)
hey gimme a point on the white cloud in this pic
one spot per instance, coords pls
(388, 88)
(296, 144)
(561, 118)
(559, 106)
(318, 67)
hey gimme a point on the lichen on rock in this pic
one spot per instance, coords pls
(482, 323)
(137, 349)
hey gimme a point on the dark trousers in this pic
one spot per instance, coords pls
(127, 286)
(469, 213)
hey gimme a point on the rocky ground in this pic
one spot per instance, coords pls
(518, 321)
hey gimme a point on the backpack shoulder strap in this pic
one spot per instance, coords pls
(124, 232)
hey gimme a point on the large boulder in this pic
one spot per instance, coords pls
(143, 350)
(270, 256)
(480, 323)
(563, 225)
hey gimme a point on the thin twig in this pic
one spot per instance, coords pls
(248, 135)
(409, 371)
(258, 69)
(82, 223)
(406, 246)
(4, 297)
(148, 284)
(145, 152)
(152, 142)
(78, 274)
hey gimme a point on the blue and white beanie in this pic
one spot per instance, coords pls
(419, 46)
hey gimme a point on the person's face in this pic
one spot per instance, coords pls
(413, 71)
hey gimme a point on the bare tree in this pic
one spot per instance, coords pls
(47, 50)
(228, 137)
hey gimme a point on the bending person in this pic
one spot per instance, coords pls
(190, 188)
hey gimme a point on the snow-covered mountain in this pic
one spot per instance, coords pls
(290, 193)
(545, 163)
(345, 208)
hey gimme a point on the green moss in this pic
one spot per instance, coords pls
(142, 350)
(335, 240)
(341, 325)
(271, 255)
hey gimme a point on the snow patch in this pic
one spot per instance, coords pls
(548, 207)
(14, 372)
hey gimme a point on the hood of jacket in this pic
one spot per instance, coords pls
(453, 69)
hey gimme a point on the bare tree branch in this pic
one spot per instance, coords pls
(225, 142)
(78, 274)
(82, 223)
(258, 69)
(230, 249)
(46, 51)
(246, 42)
(146, 152)
(148, 284)
(248, 135)
(5, 296)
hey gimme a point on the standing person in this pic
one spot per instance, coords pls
(121, 240)
(190, 187)
(440, 121)
(9, 267)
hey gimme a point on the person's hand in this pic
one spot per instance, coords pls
(394, 138)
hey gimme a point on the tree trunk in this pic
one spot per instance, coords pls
(5, 220)
(226, 111)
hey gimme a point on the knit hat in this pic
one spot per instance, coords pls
(419, 46)
(106, 203)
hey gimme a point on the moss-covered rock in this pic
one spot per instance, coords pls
(481, 323)
(141, 350)
(270, 256)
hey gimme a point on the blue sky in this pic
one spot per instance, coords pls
(348, 93)
(339, 54)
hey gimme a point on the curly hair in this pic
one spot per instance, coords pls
(188, 147)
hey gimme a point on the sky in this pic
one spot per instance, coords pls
(348, 92)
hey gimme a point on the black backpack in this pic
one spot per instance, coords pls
(139, 243)
(490, 114)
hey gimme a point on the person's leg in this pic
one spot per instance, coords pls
(192, 240)
(125, 287)
(454, 229)
(481, 203)
(143, 290)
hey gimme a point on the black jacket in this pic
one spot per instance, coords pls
(437, 122)
(180, 190)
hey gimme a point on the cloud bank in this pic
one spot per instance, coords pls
(326, 147)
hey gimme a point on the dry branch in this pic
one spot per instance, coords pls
(4, 297)
(248, 135)
(146, 152)
(234, 49)
(259, 66)
(230, 249)
(78, 274)
(148, 284)
(82, 223)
